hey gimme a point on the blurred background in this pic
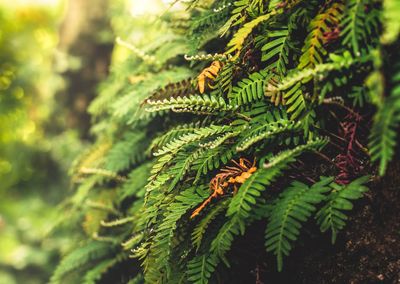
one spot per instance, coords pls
(53, 56)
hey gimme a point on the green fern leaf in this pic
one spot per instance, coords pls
(382, 140)
(162, 244)
(198, 134)
(85, 255)
(293, 207)
(358, 25)
(201, 227)
(204, 104)
(391, 11)
(276, 50)
(331, 217)
(200, 268)
(249, 90)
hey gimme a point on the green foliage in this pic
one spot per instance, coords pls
(80, 257)
(386, 123)
(249, 89)
(331, 216)
(325, 21)
(299, 202)
(276, 50)
(202, 104)
(201, 227)
(293, 207)
(197, 170)
(391, 9)
(359, 24)
(237, 41)
(201, 268)
(121, 156)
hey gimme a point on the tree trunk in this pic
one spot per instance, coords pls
(80, 38)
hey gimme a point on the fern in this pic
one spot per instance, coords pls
(165, 232)
(173, 133)
(193, 103)
(84, 255)
(95, 274)
(241, 205)
(277, 49)
(358, 26)
(163, 149)
(383, 135)
(134, 186)
(120, 157)
(391, 10)
(210, 160)
(249, 90)
(275, 123)
(181, 167)
(200, 268)
(294, 206)
(236, 43)
(198, 134)
(382, 141)
(200, 230)
(291, 87)
(127, 106)
(331, 217)
(207, 24)
(314, 50)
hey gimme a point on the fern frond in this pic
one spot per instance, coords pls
(238, 39)
(238, 16)
(127, 106)
(201, 227)
(291, 86)
(200, 268)
(287, 156)
(121, 156)
(136, 182)
(242, 204)
(382, 140)
(224, 80)
(117, 222)
(240, 36)
(197, 135)
(182, 166)
(293, 207)
(330, 217)
(391, 12)
(276, 50)
(357, 25)
(178, 89)
(162, 241)
(274, 123)
(211, 159)
(205, 27)
(249, 90)
(324, 22)
(92, 158)
(95, 274)
(193, 103)
(173, 133)
(81, 256)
